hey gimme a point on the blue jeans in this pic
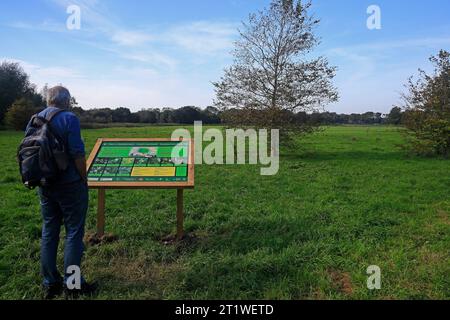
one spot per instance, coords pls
(63, 204)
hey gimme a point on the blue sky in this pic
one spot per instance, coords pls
(155, 53)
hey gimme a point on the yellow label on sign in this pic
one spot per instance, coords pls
(153, 172)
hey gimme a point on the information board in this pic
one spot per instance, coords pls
(139, 163)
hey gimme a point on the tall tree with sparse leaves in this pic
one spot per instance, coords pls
(272, 76)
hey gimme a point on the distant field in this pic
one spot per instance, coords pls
(347, 199)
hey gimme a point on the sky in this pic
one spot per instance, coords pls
(154, 53)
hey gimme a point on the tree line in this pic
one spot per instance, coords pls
(213, 115)
(183, 115)
(19, 100)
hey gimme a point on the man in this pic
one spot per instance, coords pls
(64, 202)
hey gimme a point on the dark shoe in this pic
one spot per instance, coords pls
(52, 291)
(87, 289)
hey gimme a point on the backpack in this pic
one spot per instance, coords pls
(42, 154)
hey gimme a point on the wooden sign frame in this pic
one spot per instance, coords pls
(145, 184)
(103, 185)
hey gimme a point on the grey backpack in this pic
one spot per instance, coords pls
(42, 154)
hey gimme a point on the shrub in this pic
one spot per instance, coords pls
(20, 113)
(427, 105)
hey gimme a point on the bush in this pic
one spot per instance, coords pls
(20, 113)
(14, 84)
(427, 105)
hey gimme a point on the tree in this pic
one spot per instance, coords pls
(271, 74)
(211, 115)
(395, 116)
(148, 115)
(121, 115)
(103, 115)
(79, 112)
(166, 116)
(133, 118)
(14, 84)
(187, 115)
(20, 113)
(368, 117)
(379, 118)
(355, 118)
(427, 105)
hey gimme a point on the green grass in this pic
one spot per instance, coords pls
(347, 199)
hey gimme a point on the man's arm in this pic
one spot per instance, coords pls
(80, 164)
(76, 146)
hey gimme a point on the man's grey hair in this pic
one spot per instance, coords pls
(58, 97)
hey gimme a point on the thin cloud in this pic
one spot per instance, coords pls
(203, 37)
(397, 44)
(200, 37)
(46, 26)
(131, 38)
(43, 72)
(151, 58)
(192, 40)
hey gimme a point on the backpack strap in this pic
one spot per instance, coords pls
(48, 118)
(52, 114)
(37, 120)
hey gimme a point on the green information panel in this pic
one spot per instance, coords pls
(140, 161)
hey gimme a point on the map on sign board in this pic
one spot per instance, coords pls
(139, 161)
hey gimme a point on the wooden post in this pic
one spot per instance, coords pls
(101, 213)
(180, 214)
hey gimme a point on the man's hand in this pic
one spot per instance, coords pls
(80, 164)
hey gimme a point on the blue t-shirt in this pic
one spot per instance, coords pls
(67, 126)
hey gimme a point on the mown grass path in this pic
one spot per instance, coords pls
(347, 199)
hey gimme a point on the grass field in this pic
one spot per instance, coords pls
(347, 199)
